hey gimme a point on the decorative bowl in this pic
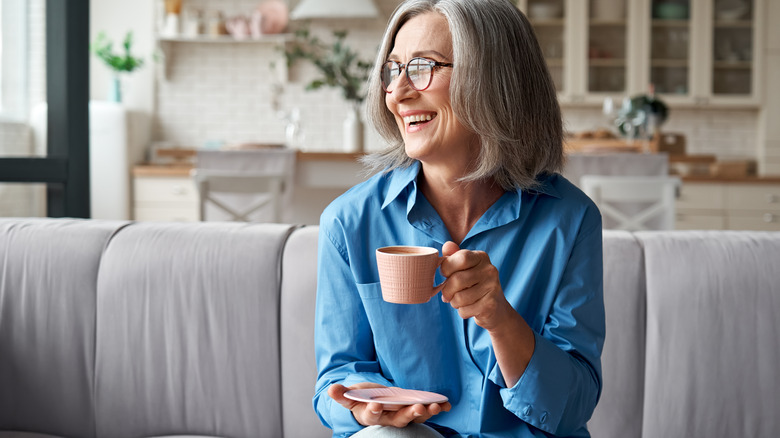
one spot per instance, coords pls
(545, 11)
(670, 11)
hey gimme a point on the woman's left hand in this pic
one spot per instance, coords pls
(473, 287)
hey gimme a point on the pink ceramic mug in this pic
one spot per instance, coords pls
(406, 273)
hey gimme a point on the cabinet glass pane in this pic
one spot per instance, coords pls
(547, 18)
(607, 52)
(670, 46)
(732, 47)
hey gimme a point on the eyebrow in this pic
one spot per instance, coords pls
(421, 53)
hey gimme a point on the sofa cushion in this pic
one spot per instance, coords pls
(713, 334)
(299, 371)
(619, 412)
(188, 331)
(12, 434)
(47, 323)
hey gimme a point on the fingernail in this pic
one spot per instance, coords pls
(417, 415)
(376, 412)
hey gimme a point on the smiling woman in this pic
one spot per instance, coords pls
(512, 336)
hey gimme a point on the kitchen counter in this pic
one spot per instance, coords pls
(730, 180)
(150, 169)
(319, 178)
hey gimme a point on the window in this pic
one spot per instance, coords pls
(13, 60)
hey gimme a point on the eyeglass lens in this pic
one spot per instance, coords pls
(418, 72)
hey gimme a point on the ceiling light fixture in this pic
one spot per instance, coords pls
(335, 9)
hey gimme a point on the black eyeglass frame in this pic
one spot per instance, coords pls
(433, 64)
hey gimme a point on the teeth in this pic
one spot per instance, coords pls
(417, 118)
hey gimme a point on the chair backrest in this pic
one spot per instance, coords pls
(213, 185)
(633, 203)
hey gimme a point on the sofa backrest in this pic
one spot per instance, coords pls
(299, 370)
(188, 331)
(48, 277)
(619, 411)
(712, 365)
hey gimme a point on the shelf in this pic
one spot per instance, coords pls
(606, 62)
(165, 43)
(670, 23)
(733, 65)
(668, 62)
(607, 23)
(227, 39)
(552, 22)
(736, 24)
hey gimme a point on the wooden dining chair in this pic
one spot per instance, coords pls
(265, 190)
(634, 203)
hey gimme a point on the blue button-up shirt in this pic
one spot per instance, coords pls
(546, 244)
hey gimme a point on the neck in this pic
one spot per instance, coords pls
(459, 204)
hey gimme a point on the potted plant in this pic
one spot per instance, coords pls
(102, 47)
(339, 67)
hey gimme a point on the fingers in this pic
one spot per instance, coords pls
(449, 248)
(369, 414)
(336, 392)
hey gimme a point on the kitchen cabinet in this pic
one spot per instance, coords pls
(164, 194)
(729, 205)
(168, 192)
(695, 52)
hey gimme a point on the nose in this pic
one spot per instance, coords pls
(402, 88)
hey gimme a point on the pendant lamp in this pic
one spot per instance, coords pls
(334, 9)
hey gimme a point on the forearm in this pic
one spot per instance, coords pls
(513, 344)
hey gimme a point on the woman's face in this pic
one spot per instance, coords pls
(443, 138)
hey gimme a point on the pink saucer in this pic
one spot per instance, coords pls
(393, 399)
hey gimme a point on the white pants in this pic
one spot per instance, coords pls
(413, 430)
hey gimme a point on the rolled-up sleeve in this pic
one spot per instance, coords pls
(561, 385)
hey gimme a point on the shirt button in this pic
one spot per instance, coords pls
(527, 410)
(543, 417)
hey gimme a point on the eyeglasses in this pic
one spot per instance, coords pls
(419, 73)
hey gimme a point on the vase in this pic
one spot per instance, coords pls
(353, 130)
(115, 89)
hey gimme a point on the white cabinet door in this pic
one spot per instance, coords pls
(165, 198)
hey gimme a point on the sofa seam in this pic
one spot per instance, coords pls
(280, 276)
(108, 241)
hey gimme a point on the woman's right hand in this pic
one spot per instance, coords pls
(370, 414)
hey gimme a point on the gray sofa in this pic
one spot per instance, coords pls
(122, 329)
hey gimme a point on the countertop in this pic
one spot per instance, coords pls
(148, 169)
(183, 169)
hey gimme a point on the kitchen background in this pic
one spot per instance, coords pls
(198, 94)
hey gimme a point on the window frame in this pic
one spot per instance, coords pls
(65, 169)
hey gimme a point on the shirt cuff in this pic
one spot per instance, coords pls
(539, 397)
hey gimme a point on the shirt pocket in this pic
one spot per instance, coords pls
(370, 291)
(410, 341)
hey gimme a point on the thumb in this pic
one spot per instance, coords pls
(449, 248)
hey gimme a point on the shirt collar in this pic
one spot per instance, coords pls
(402, 177)
(399, 180)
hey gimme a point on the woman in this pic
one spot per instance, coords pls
(461, 92)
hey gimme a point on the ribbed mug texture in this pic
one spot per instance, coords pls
(406, 273)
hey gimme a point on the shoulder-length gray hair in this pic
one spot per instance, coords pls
(500, 89)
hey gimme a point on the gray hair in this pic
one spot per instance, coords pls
(500, 88)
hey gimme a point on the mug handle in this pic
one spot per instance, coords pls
(438, 287)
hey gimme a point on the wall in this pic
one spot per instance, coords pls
(223, 94)
(769, 143)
